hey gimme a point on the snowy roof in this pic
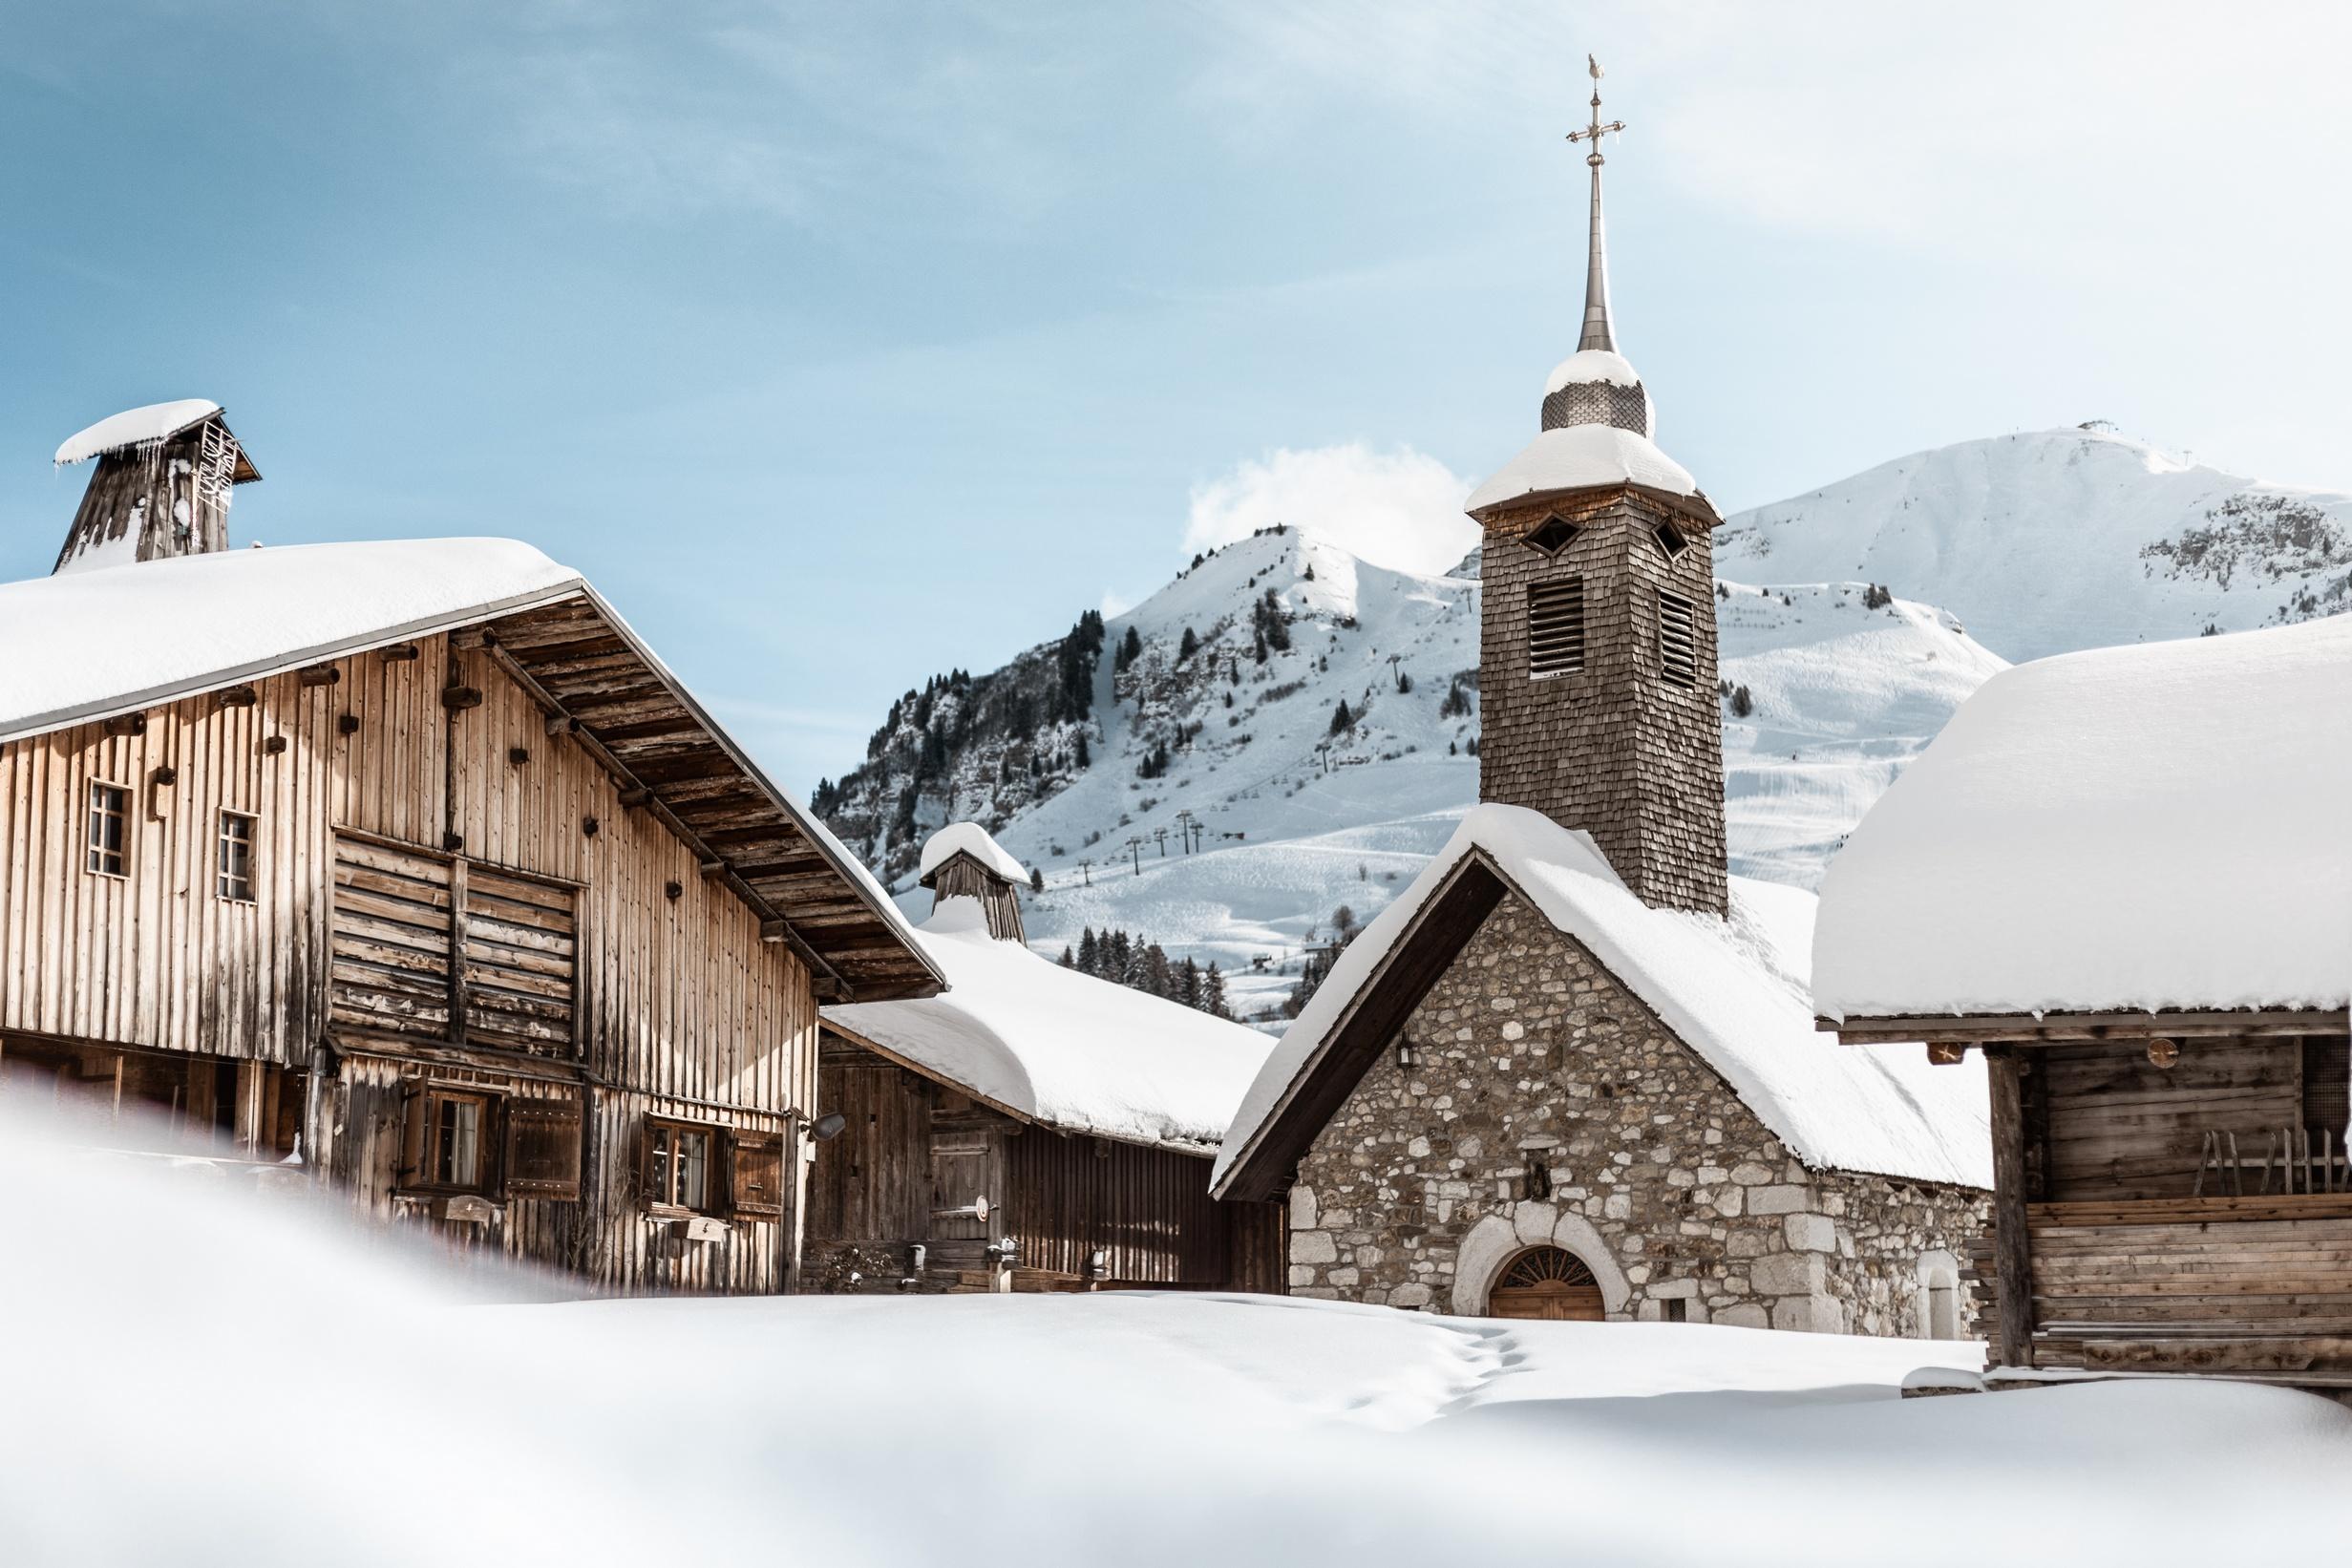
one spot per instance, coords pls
(88, 645)
(1588, 365)
(1061, 1048)
(1734, 991)
(136, 427)
(1582, 456)
(2151, 827)
(114, 640)
(972, 840)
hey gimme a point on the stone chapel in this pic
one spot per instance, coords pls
(1572, 1071)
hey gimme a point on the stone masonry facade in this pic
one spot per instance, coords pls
(1614, 747)
(1536, 1068)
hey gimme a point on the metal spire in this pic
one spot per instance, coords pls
(1595, 334)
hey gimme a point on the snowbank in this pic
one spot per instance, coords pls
(135, 427)
(1164, 1430)
(1590, 365)
(1062, 1047)
(87, 643)
(2161, 826)
(1734, 991)
(1582, 456)
(972, 840)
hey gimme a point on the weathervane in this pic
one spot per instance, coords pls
(1596, 333)
(1594, 132)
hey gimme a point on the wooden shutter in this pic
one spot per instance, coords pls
(520, 953)
(1678, 639)
(1555, 627)
(414, 1102)
(391, 940)
(542, 1149)
(755, 1174)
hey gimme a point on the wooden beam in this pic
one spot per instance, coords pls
(2012, 1242)
(320, 674)
(2026, 1029)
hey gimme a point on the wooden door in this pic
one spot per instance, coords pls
(962, 1198)
(1549, 1284)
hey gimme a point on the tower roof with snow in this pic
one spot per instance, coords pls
(1057, 1048)
(1598, 418)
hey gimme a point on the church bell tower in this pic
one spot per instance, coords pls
(1596, 657)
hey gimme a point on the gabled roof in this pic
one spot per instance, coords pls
(1734, 990)
(972, 840)
(1058, 1048)
(148, 426)
(2166, 826)
(96, 643)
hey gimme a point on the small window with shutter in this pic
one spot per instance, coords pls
(677, 1165)
(1677, 640)
(449, 1140)
(1556, 628)
(755, 1174)
(542, 1149)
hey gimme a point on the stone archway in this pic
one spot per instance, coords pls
(1491, 1244)
(1939, 1313)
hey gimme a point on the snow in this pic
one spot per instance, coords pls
(1734, 991)
(120, 550)
(2050, 542)
(1589, 365)
(1579, 456)
(1058, 1046)
(84, 645)
(2151, 827)
(1298, 823)
(1161, 1430)
(136, 427)
(972, 840)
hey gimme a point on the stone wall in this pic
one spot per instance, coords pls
(1537, 1070)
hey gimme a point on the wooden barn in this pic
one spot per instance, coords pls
(408, 865)
(2125, 879)
(1032, 1128)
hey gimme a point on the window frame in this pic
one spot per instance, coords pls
(91, 816)
(713, 1166)
(1686, 677)
(221, 842)
(425, 1176)
(1562, 590)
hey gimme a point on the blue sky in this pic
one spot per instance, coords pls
(841, 346)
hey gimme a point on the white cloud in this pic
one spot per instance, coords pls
(1400, 509)
(1115, 603)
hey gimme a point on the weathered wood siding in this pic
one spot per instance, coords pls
(873, 1183)
(2105, 1122)
(682, 1009)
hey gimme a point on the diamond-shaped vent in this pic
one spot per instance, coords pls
(1553, 534)
(1670, 541)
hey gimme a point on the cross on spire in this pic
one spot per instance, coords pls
(1596, 333)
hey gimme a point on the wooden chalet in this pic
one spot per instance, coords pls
(1032, 1128)
(408, 866)
(2125, 879)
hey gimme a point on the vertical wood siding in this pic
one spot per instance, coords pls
(683, 1009)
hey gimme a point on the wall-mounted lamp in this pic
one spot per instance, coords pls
(822, 1129)
(1408, 1054)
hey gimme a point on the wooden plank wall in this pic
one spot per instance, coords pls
(873, 1183)
(1148, 1209)
(2114, 1126)
(684, 1009)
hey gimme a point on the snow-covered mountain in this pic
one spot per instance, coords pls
(2052, 541)
(1224, 808)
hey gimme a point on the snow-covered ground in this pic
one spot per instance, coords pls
(194, 1375)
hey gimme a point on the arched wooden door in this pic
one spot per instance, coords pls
(1548, 1284)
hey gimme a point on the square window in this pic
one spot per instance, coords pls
(1553, 534)
(450, 1140)
(110, 826)
(1670, 539)
(234, 869)
(678, 1165)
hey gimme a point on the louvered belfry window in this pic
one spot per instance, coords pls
(1678, 639)
(1556, 628)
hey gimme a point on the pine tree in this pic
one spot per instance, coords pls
(1190, 646)
(1212, 993)
(1131, 649)
(1037, 878)
(1069, 960)
(1090, 954)
(1257, 646)
(1341, 720)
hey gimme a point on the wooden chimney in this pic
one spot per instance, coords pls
(161, 486)
(968, 874)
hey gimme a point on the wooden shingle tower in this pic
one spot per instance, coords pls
(1597, 660)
